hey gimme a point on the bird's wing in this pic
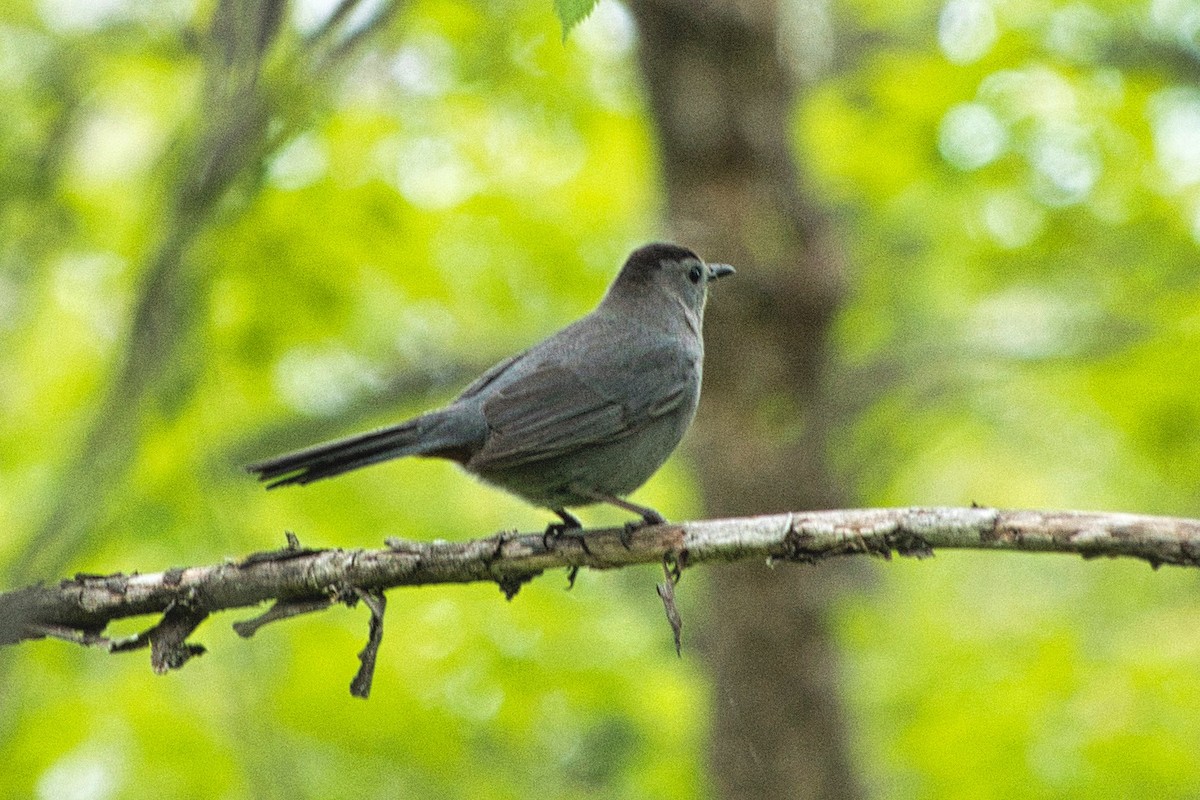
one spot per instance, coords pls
(555, 409)
(492, 373)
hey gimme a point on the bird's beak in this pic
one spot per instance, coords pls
(719, 271)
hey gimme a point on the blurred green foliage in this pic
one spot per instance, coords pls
(1017, 185)
(1022, 205)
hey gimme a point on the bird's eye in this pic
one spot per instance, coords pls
(695, 274)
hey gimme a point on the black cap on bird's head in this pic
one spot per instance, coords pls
(650, 256)
(669, 266)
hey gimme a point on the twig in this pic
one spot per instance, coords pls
(666, 590)
(283, 609)
(361, 685)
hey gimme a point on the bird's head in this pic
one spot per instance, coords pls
(662, 269)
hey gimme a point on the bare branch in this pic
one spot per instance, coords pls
(301, 580)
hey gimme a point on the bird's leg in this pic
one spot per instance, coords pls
(649, 515)
(569, 522)
(556, 529)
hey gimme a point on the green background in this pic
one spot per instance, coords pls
(1016, 186)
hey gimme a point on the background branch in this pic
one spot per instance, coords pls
(259, 88)
(301, 580)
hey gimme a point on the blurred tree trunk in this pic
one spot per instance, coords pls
(721, 99)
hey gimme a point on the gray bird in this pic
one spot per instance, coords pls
(586, 416)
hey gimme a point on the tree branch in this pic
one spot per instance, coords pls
(302, 580)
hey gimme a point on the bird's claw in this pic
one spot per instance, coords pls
(649, 517)
(652, 517)
(627, 533)
(555, 531)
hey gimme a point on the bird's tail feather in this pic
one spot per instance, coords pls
(421, 436)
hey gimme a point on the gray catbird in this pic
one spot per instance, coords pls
(586, 416)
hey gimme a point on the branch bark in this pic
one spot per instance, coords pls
(302, 580)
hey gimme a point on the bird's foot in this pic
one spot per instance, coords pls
(652, 517)
(649, 517)
(556, 530)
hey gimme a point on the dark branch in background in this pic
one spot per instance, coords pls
(247, 107)
(301, 580)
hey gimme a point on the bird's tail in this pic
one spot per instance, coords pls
(427, 435)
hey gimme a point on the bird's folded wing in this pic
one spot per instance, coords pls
(555, 410)
(485, 380)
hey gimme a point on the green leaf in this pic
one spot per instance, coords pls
(572, 12)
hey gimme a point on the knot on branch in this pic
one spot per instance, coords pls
(909, 544)
(511, 583)
(169, 648)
